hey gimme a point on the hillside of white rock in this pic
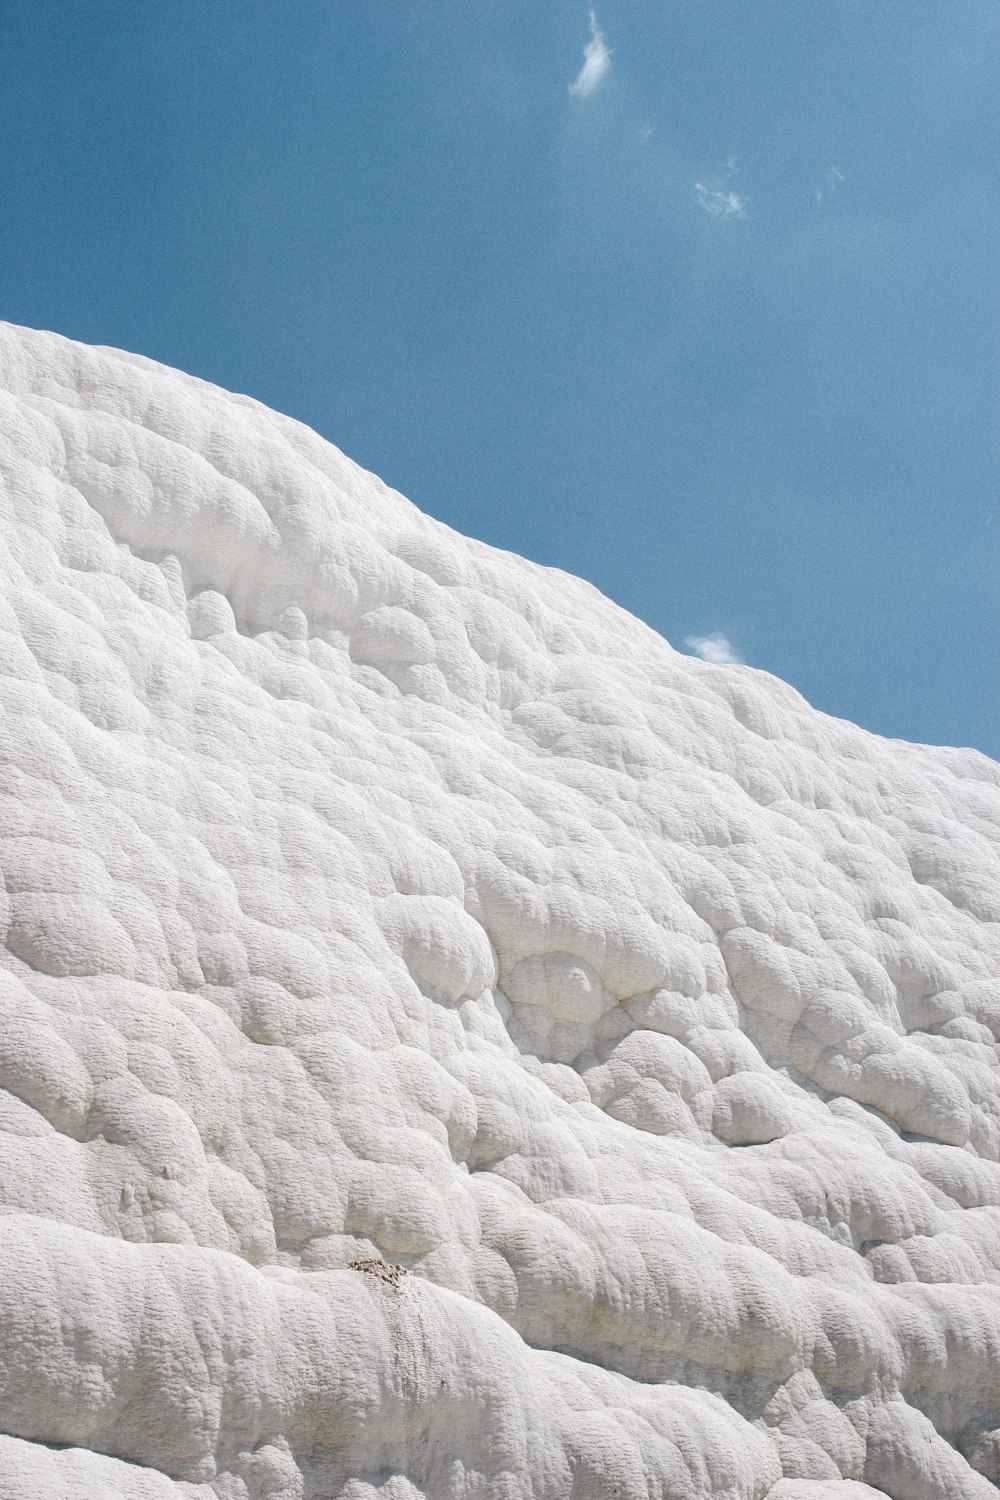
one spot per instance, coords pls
(372, 898)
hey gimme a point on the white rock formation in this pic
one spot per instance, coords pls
(373, 896)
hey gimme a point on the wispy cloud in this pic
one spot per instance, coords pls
(596, 62)
(715, 648)
(721, 202)
(719, 198)
(833, 178)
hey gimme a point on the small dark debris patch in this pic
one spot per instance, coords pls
(389, 1274)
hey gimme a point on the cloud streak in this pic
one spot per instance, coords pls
(596, 62)
(715, 648)
(834, 178)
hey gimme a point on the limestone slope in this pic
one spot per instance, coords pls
(370, 895)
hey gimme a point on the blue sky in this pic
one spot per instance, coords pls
(712, 322)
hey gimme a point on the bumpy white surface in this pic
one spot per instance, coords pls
(369, 893)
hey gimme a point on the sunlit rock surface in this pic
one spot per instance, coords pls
(371, 896)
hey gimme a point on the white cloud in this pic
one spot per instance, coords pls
(596, 62)
(834, 178)
(721, 202)
(715, 647)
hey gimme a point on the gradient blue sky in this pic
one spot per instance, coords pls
(719, 333)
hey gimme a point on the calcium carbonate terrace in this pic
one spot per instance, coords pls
(452, 1044)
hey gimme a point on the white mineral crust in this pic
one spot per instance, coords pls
(370, 895)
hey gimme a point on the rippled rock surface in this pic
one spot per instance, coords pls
(452, 1045)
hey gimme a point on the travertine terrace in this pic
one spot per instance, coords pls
(453, 1045)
